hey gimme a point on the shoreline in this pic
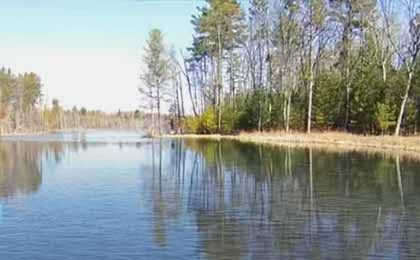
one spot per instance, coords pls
(407, 147)
(338, 142)
(46, 132)
(38, 133)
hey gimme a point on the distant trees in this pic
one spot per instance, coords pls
(19, 95)
(53, 116)
(58, 118)
(21, 109)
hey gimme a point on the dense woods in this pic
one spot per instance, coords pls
(22, 109)
(263, 65)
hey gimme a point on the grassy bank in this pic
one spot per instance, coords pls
(331, 141)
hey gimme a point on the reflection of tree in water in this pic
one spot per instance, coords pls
(20, 169)
(161, 195)
(159, 208)
(270, 202)
(21, 165)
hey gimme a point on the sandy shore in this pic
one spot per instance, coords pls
(331, 141)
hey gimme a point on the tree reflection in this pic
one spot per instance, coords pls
(264, 202)
(21, 165)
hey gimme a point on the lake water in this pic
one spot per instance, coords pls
(114, 195)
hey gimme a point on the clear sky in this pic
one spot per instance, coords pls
(88, 52)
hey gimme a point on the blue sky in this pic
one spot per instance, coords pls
(88, 52)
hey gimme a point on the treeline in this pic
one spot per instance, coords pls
(58, 118)
(327, 64)
(22, 109)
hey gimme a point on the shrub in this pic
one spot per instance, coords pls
(229, 119)
(384, 116)
(192, 124)
(209, 122)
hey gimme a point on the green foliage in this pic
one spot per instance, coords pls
(299, 112)
(248, 110)
(252, 107)
(384, 116)
(52, 116)
(192, 124)
(209, 121)
(368, 90)
(155, 76)
(19, 95)
(374, 104)
(83, 111)
(411, 115)
(328, 100)
(204, 124)
(155, 60)
(229, 119)
(221, 21)
(32, 89)
(7, 83)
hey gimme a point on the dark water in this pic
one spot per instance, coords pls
(192, 199)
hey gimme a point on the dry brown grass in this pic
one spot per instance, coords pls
(407, 147)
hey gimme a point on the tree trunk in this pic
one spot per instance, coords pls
(403, 104)
(348, 107)
(310, 94)
(187, 77)
(270, 110)
(288, 107)
(384, 73)
(259, 116)
(219, 80)
(181, 96)
(178, 110)
(158, 111)
(285, 112)
(270, 89)
(347, 50)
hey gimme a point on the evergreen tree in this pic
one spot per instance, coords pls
(156, 73)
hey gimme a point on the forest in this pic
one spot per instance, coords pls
(301, 65)
(23, 110)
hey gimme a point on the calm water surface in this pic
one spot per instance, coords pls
(118, 196)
